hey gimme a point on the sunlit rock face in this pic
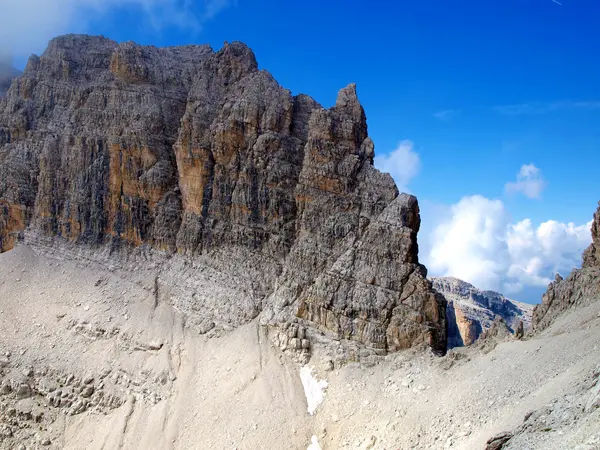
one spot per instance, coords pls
(200, 154)
(471, 311)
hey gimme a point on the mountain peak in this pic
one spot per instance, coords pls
(471, 311)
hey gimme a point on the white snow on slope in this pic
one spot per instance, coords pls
(313, 389)
(314, 444)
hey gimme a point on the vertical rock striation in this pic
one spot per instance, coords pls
(471, 311)
(591, 256)
(200, 154)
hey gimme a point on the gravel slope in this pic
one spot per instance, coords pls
(156, 383)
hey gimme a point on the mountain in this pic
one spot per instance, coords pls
(193, 158)
(192, 257)
(470, 311)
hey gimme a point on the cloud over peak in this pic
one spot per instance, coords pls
(530, 182)
(27, 25)
(478, 242)
(403, 164)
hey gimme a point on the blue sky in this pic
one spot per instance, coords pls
(479, 88)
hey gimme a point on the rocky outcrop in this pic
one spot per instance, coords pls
(471, 311)
(268, 202)
(376, 290)
(497, 332)
(591, 256)
(580, 288)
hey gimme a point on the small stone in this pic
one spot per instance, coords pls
(497, 442)
(78, 407)
(5, 388)
(371, 443)
(155, 345)
(23, 391)
(296, 343)
(87, 391)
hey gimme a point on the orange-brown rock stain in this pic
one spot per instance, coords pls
(70, 228)
(194, 169)
(228, 143)
(466, 327)
(127, 164)
(12, 222)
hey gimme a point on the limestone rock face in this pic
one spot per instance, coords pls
(376, 291)
(591, 256)
(471, 311)
(200, 155)
(85, 154)
(580, 288)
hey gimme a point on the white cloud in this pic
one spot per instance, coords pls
(478, 242)
(27, 25)
(214, 7)
(447, 114)
(530, 182)
(403, 164)
(535, 108)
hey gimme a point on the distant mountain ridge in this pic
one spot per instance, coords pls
(470, 311)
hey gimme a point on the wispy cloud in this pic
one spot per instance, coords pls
(532, 108)
(447, 114)
(214, 7)
(530, 182)
(403, 164)
(27, 25)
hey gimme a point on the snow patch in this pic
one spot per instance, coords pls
(314, 444)
(313, 389)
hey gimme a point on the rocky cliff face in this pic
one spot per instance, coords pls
(591, 256)
(580, 288)
(201, 155)
(471, 311)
